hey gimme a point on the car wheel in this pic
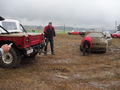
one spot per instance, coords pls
(10, 59)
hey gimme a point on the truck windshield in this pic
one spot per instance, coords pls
(9, 25)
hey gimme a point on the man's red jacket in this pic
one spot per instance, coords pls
(89, 39)
(49, 32)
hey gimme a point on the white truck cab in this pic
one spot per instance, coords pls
(11, 26)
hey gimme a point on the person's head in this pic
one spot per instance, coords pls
(50, 23)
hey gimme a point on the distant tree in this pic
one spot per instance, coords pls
(118, 27)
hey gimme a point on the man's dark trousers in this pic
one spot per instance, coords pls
(47, 40)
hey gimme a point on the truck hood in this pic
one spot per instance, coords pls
(20, 34)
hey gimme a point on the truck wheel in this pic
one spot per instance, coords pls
(10, 59)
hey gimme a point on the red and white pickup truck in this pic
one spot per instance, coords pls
(23, 43)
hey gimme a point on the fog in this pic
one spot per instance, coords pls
(76, 13)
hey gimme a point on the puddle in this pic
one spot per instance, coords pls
(99, 85)
(62, 61)
(80, 76)
(105, 86)
(102, 75)
(114, 49)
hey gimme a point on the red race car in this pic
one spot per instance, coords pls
(76, 33)
(116, 35)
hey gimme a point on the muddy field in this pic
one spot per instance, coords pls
(67, 70)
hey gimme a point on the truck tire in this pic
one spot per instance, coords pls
(11, 59)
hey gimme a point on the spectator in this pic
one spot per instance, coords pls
(49, 33)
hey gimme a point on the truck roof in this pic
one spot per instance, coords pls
(10, 20)
(10, 25)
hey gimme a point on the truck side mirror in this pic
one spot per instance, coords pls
(1, 18)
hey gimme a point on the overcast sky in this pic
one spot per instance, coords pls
(79, 13)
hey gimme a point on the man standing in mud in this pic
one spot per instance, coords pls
(49, 33)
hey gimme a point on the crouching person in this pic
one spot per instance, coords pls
(87, 44)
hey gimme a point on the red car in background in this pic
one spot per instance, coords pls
(116, 35)
(76, 33)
